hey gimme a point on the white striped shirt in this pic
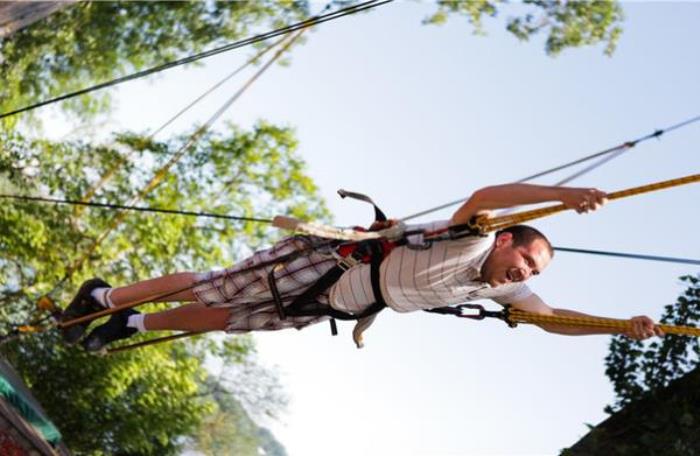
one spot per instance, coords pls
(414, 279)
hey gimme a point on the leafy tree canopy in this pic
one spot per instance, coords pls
(139, 402)
(568, 24)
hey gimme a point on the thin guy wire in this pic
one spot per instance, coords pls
(577, 174)
(590, 168)
(238, 44)
(216, 86)
(629, 144)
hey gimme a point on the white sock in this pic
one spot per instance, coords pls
(103, 296)
(136, 321)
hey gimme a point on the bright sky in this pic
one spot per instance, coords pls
(416, 116)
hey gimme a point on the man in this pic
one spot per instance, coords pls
(412, 277)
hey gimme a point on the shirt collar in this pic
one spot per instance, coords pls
(478, 262)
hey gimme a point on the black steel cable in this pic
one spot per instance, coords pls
(228, 47)
(110, 206)
(264, 220)
(629, 255)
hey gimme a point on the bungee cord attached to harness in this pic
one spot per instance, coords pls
(483, 225)
(512, 317)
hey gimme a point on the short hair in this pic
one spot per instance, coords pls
(526, 235)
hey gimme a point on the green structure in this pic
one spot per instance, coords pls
(24, 426)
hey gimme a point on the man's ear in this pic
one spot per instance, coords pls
(504, 239)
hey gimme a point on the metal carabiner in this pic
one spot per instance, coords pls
(482, 313)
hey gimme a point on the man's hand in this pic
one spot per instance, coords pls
(643, 327)
(511, 195)
(583, 199)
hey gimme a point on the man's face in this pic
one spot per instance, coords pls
(508, 263)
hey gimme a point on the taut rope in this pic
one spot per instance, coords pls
(486, 225)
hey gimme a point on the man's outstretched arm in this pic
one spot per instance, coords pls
(509, 195)
(643, 327)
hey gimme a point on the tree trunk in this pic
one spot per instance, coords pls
(17, 15)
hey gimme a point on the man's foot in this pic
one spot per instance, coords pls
(83, 304)
(114, 329)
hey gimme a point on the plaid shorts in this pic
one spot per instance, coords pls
(248, 295)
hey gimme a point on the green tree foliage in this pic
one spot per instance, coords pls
(635, 367)
(568, 24)
(139, 402)
(92, 42)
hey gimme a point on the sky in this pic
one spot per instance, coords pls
(417, 116)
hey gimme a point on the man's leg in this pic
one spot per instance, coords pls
(190, 317)
(172, 287)
(194, 317)
(96, 294)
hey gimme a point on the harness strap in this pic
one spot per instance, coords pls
(306, 305)
(379, 215)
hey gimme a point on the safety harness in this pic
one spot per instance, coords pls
(349, 254)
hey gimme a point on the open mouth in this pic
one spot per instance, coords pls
(513, 275)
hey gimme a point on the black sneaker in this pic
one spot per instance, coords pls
(83, 304)
(114, 329)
